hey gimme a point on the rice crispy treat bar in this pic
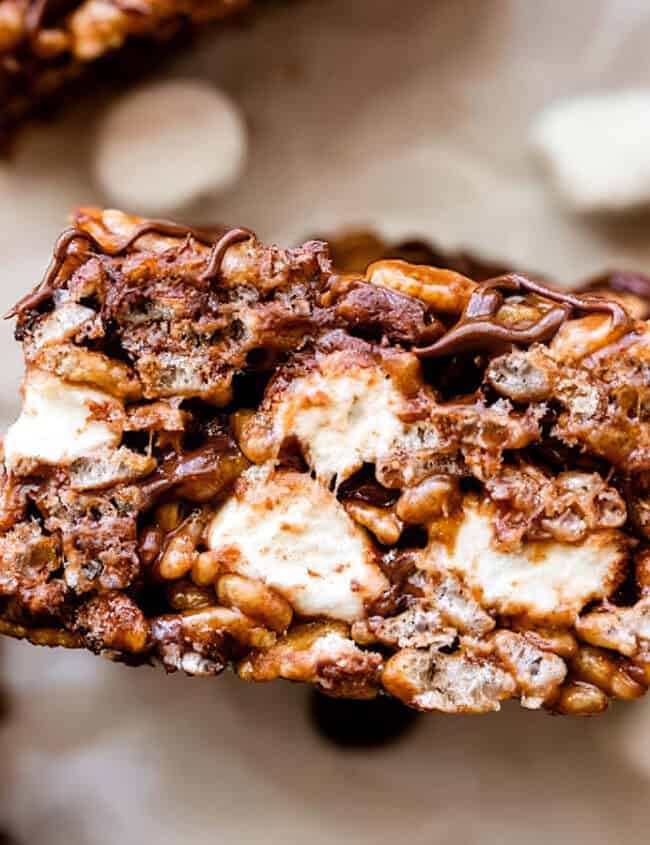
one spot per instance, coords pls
(398, 481)
(47, 44)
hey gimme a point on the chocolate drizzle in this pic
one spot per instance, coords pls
(234, 236)
(218, 461)
(477, 329)
(220, 237)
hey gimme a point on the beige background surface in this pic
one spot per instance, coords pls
(412, 117)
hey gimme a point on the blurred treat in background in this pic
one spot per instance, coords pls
(46, 45)
(361, 724)
(409, 121)
(353, 251)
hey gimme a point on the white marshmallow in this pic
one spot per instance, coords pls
(292, 533)
(545, 581)
(56, 424)
(341, 418)
(164, 145)
(596, 150)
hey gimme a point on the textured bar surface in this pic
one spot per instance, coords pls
(400, 480)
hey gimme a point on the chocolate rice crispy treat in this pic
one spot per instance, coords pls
(45, 45)
(400, 480)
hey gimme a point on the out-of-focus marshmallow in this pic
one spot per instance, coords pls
(597, 150)
(164, 145)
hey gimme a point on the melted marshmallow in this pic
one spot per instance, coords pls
(56, 424)
(545, 581)
(286, 529)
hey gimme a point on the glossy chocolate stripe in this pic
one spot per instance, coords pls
(478, 330)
